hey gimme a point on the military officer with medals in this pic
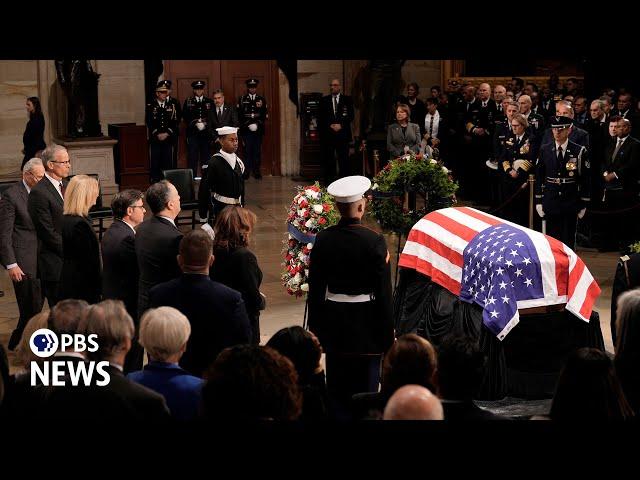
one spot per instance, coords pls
(176, 104)
(536, 121)
(518, 158)
(196, 114)
(350, 301)
(222, 178)
(162, 121)
(252, 113)
(563, 183)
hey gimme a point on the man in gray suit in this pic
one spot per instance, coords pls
(19, 245)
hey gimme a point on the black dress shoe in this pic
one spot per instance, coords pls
(1, 293)
(257, 176)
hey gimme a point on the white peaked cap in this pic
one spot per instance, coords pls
(349, 189)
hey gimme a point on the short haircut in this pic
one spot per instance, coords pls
(521, 118)
(157, 196)
(567, 104)
(519, 81)
(123, 200)
(405, 108)
(163, 332)
(233, 227)
(437, 88)
(299, 346)
(49, 154)
(432, 101)
(219, 90)
(410, 360)
(66, 315)
(250, 382)
(533, 85)
(460, 367)
(111, 323)
(30, 164)
(196, 248)
(80, 195)
(599, 102)
(414, 85)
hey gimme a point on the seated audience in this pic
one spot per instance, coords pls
(403, 136)
(627, 359)
(250, 382)
(164, 333)
(216, 312)
(303, 349)
(588, 390)
(413, 402)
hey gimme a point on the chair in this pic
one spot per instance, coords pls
(182, 179)
(98, 211)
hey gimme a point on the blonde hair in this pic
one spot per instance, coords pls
(81, 195)
(24, 355)
(163, 332)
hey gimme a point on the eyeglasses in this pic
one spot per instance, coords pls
(138, 206)
(38, 178)
(66, 162)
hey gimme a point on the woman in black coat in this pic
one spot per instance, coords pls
(235, 265)
(33, 137)
(81, 270)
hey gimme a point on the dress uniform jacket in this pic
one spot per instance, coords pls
(351, 259)
(252, 111)
(536, 124)
(577, 135)
(627, 276)
(563, 187)
(519, 155)
(220, 180)
(162, 120)
(193, 110)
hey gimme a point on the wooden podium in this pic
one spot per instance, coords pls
(130, 155)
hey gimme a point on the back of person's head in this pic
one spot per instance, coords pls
(24, 354)
(233, 227)
(460, 368)
(588, 389)
(123, 200)
(81, 195)
(66, 315)
(413, 402)
(250, 382)
(410, 360)
(164, 332)
(628, 324)
(158, 196)
(195, 251)
(113, 326)
(301, 347)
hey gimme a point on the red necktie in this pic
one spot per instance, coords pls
(63, 188)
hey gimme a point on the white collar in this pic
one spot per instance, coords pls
(230, 158)
(129, 225)
(115, 365)
(26, 186)
(564, 146)
(69, 354)
(435, 115)
(167, 218)
(623, 139)
(55, 183)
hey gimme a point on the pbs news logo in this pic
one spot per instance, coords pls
(44, 344)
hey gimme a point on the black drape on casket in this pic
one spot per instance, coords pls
(525, 364)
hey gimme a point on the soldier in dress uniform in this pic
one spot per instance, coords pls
(176, 104)
(163, 121)
(350, 302)
(222, 178)
(196, 115)
(252, 113)
(563, 183)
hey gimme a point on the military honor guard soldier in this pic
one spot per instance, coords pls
(163, 120)
(196, 112)
(176, 105)
(350, 302)
(252, 113)
(563, 183)
(222, 179)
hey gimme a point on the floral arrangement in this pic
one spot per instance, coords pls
(311, 211)
(404, 176)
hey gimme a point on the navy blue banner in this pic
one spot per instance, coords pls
(298, 235)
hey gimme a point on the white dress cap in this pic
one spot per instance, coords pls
(226, 130)
(349, 189)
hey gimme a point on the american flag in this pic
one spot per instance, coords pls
(499, 265)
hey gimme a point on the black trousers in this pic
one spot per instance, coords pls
(253, 152)
(29, 298)
(198, 151)
(348, 375)
(563, 227)
(335, 148)
(161, 158)
(50, 291)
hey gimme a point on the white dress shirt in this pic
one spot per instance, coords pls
(56, 184)
(436, 123)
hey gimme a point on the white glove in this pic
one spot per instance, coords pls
(539, 210)
(207, 228)
(582, 212)
(200, 126)
(406, 149)
(253, 127)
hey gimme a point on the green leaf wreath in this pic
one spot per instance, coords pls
(427, 179)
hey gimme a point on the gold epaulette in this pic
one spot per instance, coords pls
(506, 165)
(469, 126)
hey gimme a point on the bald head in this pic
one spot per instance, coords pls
(499, 93)
(484, 91)
(413, 402)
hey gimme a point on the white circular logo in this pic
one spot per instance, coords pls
(43, 343)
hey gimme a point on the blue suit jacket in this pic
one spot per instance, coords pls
(216, 313)
(180, 390)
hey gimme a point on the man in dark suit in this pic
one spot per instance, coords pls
(157, 241)
(580, 109)
(216, 313)
(576, 134)
(334, 125)
(19, 246)
(221, 115)
(196, 112)
(45, 206)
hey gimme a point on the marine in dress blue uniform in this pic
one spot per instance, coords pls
(195, 113)
(252, 113)
(563, 183)
(162, 119)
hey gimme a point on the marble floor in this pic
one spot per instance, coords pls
(269, 199)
